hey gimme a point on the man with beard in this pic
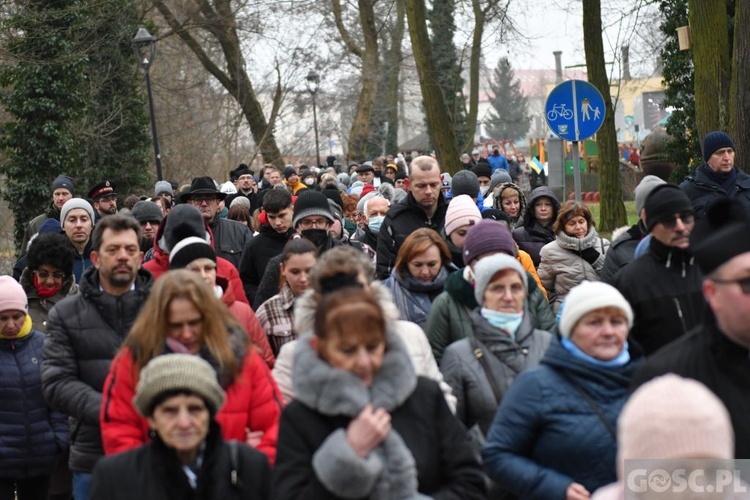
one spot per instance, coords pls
(663, 286)
(246, 186)
(424, 206)
(77, 221)
(149, 215)
(85, 332)
(104, 199)
(230, 236)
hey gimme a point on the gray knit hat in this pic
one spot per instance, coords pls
(644, 188)
(162, 187)
(74, 203)
(488, 267)
(309, 203)
(501, 176)
(64, 181)
(177, 372)
(465, 182)
(147, 211)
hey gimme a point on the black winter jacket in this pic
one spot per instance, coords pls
(621, 252)
(703, 191)
(258, 252)
(532, 236)
(404, 218)
(230, 239)
(709, 356)
(663, 287)
(84, 333)
(153, 472)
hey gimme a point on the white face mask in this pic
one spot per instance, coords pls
(484, 190)
(309, 181)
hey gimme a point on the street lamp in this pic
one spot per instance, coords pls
(144, 45)
(312, 82)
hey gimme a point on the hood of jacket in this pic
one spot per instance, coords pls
(306, 304)
(541, 191)
(461, 290)
(26, 280)
(497, 203)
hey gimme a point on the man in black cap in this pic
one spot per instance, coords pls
(663, 285)
(149, 215)
(63, 189)
(104, 199)
(718, 177)
(229, 236)
(246, 186)
(717, 352)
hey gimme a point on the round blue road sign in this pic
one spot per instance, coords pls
(574, 110)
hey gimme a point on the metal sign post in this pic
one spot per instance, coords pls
(575, 111)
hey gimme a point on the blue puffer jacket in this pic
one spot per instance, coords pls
(545, 435)
(31, 435)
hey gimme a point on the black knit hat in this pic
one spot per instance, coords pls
(147, 211)
(63, 181)
(182, 222)
(188, 250)
(289, 171)
(714, 141)
(722, 234)
(663, 202)
(482, 170)
(309, 203)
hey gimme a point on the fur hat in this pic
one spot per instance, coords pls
(309, 203)
(177, 372)
(465, 182)
(722, 234)
(714, 141)
(74, 203)
(163, 187)
(462, 211)
(65, 182)
(644, 188)
(489, 267)
(671, 417)
(147, 211)
(488, 236)
(12, 295)
(590, 296)
(663, 202)
(182, 222)
(188, 250)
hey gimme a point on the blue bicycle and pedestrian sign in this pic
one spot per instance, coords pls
(574, 110)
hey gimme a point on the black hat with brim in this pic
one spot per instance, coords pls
(202, 185)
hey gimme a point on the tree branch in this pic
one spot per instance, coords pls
(351, 45)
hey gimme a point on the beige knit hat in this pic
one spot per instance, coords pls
(177, 372)
(462, 211)
(672, 417)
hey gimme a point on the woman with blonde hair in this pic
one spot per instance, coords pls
(576, 255)
(422, 265)
(183, 315)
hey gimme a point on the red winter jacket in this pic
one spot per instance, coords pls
(247, 320)
(253, 402)
(160, 265)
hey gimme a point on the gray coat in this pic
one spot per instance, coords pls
(505, 357)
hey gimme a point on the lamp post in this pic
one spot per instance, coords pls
(144, 45)
(312, 82)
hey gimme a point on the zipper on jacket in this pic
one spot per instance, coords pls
(679, 314)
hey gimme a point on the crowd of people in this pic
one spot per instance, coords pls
(383, 330)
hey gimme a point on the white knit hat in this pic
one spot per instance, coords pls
(462, 211)
(590, 296)
(488, 267)
(74, 203)
(672, 417)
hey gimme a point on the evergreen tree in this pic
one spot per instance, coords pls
(509, 116)
(45, 81)
(447, 67)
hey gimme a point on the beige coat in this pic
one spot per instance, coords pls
(562, 267)
(411, 334)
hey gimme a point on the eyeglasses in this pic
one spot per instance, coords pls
(43, 275)
(199, 200)
(317, 223)
(686, 218)
(743, 282)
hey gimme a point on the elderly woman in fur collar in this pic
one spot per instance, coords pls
(363, 425)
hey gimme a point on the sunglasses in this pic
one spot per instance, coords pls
(686, 218)
(743, 282)
(43, 275)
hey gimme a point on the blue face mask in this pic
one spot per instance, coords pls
(507, 322)
(375, 222)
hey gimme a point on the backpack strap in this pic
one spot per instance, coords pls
(234, 459)
(481, 357)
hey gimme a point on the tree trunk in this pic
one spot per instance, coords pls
(395, 56)
(474, 62)
(439, 123)
(218, 20)
(612, 207)
(711, 60)
(739, 95)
